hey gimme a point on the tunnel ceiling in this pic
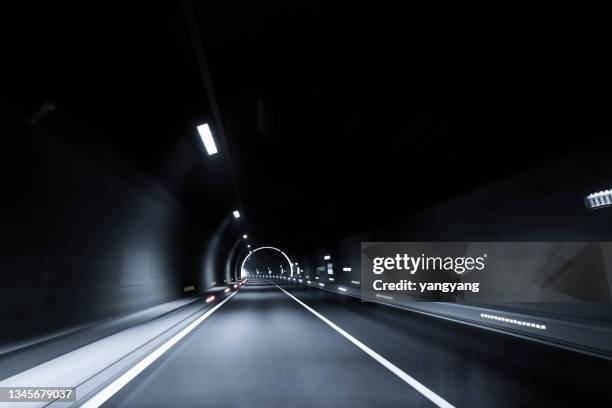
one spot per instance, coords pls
(331, 131)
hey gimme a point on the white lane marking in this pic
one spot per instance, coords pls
(111, 389)
(426, 392)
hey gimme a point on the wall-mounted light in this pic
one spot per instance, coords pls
(236, 214)
(513, 321)
(599, 199)
(207, 139)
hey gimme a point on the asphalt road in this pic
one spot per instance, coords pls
(263, 349)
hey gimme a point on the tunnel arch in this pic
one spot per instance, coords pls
(266, 247)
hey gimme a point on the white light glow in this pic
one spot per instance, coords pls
(327, 257)
(599, 199)
(321, 284)
(236, 214)
(207, 139)
(245, 236)
(210, 299)
(343, 289)
(226, 290)
(347, 269)
(513, 321)
(356, 282)
(266, 247)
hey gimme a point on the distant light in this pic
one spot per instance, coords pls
(356, 282)
(236, 214)
(343, 289)
(235, 286)
(245, 236)
(210, 299)
(226, 290)
(308, 282)
(331, 279)
(327, 257)
(207, 139)
(347, 269)
(321, 284)
(248, 245)
(599, 199)
(299, 280)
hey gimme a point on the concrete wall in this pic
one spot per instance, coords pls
(85, 239)
(544, 204)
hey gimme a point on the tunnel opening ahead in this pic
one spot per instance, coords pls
(266, 261)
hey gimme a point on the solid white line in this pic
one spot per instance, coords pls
(426, 392)
(111, 389)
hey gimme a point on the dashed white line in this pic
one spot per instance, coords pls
(426, 392)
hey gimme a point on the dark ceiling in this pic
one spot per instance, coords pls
(336, 120)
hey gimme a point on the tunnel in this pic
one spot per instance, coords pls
(304, 204)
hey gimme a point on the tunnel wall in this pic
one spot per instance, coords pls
(84, 240)
(544, 204)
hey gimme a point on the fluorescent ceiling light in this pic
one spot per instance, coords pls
(599, 199)
(207, 139)
(236, 214)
